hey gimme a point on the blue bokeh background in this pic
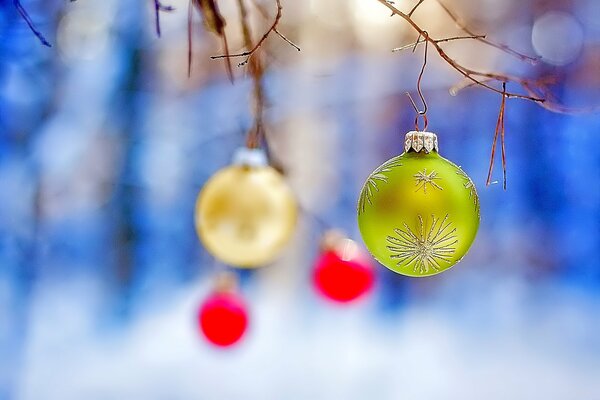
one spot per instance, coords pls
(105, 142)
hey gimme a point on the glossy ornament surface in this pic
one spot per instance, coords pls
(223, 318)
(418, 213)
(245, 214)
(343, 272)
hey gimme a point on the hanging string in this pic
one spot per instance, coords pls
(255, 136)
(420, 113)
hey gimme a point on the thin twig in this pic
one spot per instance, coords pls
(449, 39)
(29, 22)
(502, 47)
(215, 23)
(262, 10)
(411, 12)
(282, 36)
(533, 87)
(248, 53)
(464, 71)
(535, 90)
(273, 28)
(190, 36)
(256, 69)
(499, 131)
(158, 7)
(502, 141)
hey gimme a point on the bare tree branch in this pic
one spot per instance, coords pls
(412, 11)
(214, 23)
(158, 7)
(29, 22)
(265, 15)
(499, 131)
(502, 47)
(535, 90)
(256, 134)
(273, 28)
(449, 39)
(282, 36)
(467, 73)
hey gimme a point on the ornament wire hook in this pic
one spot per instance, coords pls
(420, 113)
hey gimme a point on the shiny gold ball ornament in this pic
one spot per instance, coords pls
(246, 213)
(418, 213)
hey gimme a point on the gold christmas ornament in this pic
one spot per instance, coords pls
(418, 213)
(246, 213)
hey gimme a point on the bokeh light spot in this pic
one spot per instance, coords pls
(557, 37)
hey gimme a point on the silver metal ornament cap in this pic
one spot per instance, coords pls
(418, 141)
(250, 157)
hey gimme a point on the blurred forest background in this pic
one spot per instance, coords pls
(105, 143)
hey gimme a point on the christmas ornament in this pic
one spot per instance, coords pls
(246, 213)
(223, 318)
(342, 272)
(418, 213)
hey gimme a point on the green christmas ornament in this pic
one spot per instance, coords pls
(418, 213)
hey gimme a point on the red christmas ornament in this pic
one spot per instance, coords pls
(342, 272)
(223, 318)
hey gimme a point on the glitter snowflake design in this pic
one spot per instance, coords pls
(423, 179)
(371, 185)
(469, 185)
(424, 250)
